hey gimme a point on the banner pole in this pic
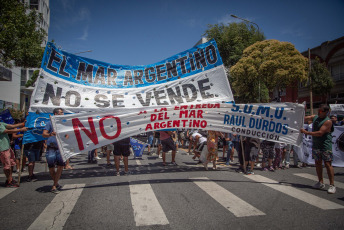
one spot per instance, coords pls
(242, 153)
(21, 162)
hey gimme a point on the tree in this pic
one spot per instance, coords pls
(20, 35)
(32, 80)
(232, 39)
(267, 65)
(322, 81)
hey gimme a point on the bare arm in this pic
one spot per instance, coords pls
(47, 134)
(12, 131)
(309, 118)
(325, 128)
(16, 135)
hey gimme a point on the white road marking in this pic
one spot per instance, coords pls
(147, 210)
(296, 193)
(231, 202)
(55, 215)
(315, 178)
(5, 191)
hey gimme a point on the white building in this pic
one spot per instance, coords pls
(13, 93)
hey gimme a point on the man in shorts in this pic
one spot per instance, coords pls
(251, 152)
(167, 145)
(6, 153)
(32, 152)
(122, 148)
(53, 154)
(322, 146)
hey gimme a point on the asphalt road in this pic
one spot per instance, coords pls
(172, 197)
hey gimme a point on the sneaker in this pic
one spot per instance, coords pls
(239, 170)
(265, 169)
(259, 165)
(13, 184)
(117, 174)
(332, 189)
(249, 173)
(34, 178)
(127, 173)
(56, 191)
(271, 169)
(319, 185)
(160, 156)
(175, 164)
(98, 158)
(287, 166)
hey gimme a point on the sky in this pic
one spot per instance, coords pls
(134, 32)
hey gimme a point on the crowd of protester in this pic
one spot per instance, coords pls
(204, 146)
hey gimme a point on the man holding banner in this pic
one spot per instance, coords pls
(322, 146)
(53, 153)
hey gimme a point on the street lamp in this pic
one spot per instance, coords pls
(234, 16)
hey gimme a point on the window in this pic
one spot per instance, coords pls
(23, 77)
(34, 4)
(337, 72)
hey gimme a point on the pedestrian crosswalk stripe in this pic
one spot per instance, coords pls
(231, 202)
(315, 178)
(5, 191)
(296, 193)
(147, 210)
(55, 215)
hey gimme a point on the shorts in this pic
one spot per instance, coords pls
(268, 153)
(201, 146)
(168, 144)
(251, 154)
(33, 154)
(54, 157)
(150, 140)
(7, 158)
(109, 147)
(121, 150)
(17, 153)
(318, 154)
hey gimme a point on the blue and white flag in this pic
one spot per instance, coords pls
(137, 146)
(6, 117)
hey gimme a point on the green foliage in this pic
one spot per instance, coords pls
(322, 81)
(269, 64)
(232, 39)
(33, 79)
(20, 35)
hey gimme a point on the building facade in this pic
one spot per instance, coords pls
(331, 53)
(13, 93)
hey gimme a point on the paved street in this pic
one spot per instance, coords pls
(172, 197)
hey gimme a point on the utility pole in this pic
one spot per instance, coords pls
(310, 82)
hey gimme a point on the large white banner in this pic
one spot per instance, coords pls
(280, 122)
(77, 84)
(304, 152)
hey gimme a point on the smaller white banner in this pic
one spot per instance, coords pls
(304, 152)
(86, 131)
